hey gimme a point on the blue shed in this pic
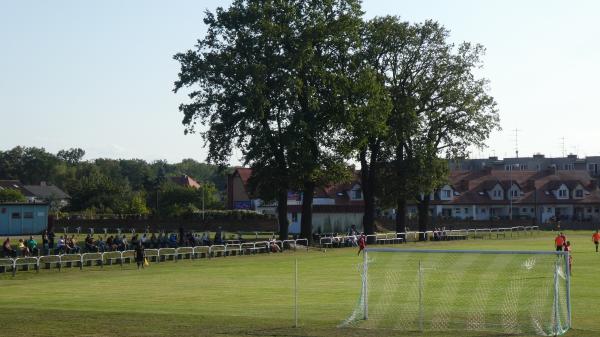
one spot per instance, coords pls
(23, 218)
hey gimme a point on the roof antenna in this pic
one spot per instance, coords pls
(517, 142)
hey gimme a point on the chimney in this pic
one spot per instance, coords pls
(538, 156)
(494, 158)
(572, 156)
(464, 184)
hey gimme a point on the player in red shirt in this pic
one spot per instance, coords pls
(596, 239)
(559, 241)
(362, 243)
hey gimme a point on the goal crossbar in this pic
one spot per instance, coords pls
(507, 252)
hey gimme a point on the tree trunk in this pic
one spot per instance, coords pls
(423, 209)
(282, 214)
(306, 219)
(401, 217)
(368, 185)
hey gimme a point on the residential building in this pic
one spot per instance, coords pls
(545, 195)
(185, 181)
(16, 185)
(335, 207)
(45, 192)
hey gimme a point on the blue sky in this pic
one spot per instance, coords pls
(98, 75)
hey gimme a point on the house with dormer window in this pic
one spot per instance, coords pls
(503, 194)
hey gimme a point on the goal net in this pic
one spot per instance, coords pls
(434, 290)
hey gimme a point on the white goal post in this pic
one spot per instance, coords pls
(480, 290)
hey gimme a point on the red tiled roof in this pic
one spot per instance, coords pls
(537, 186)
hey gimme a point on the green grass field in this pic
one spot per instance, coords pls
(241, 295)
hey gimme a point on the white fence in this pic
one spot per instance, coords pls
(441, 235)
(156, 255)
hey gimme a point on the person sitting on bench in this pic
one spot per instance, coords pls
(23, 248)
(8, 250)
(32, 246)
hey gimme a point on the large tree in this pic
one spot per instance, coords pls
(325, 34)
(270, 77)
(240, 71)
(440, 108)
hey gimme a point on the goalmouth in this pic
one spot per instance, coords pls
(482, 290)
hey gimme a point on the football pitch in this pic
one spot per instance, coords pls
(244, 295)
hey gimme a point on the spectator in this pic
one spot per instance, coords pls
(145, 241)
(218, 237)
(51, 240)
(100, 245)
(45, 245)
(74, 248)
(110, 243)
(164, 241)
(135, 241)
(274, 246)
(173, 240)
(205, 241)
(153, 241)
(61, 246)
(239, 237)
(8, 249)
(89, 244)
(32, 246)
(124, 243)
(23, 248)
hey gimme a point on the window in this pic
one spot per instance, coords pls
(466, 210)
(457, 210)
(357, 194)
(532, 210)
(523, 167)
(514, 193)
(549, 210)
(569, 167)
(562, 193)
(28, 215)
(446, 194)
(497, 193)
(16, 215)
(579, 193)
(538, 167)
(483, 210)
(294, 217)
(524, 210)
(589, 210)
